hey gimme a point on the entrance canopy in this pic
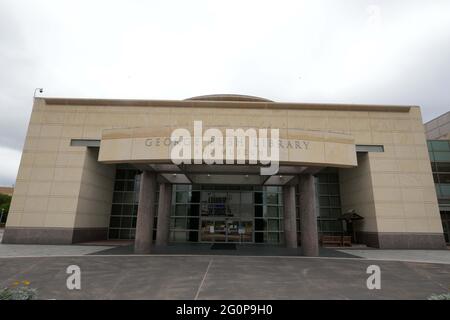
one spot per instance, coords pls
(225, 174)
(293, 147)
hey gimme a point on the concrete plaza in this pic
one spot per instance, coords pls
(224, 277)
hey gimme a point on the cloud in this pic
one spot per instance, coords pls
(10, 159)
(357, 51)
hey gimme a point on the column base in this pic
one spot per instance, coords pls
(37, 235)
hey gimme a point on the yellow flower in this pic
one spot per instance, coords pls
(26, 282)
(16, 283)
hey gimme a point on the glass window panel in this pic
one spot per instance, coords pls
(333, 177)
(324, 201)
(194, 210)
(273, 237)
(182, 187)
(258, 197)
(272, 198)
(335, 201)
(259, 211)
(120, 174)
(260, 237)
(322, 178)
(333, 188)
(127, 210)
(234, 198)
(442, 167)
(195, 196)
(126, 222)
(118, 197)
(431, 154)
(129, 185)
(124, 233)
(113, 234)
(260, 224)
(445, 189)
(192, 223)
(272, 211)
(180, 210)
(192, 236)
(114, 222)
(335, 213)
(178, 236)
(444, 178)
(206, 196)
(119, 185)
(234, 210)
(323, 188)
(438, 190)
(128, 197)
(247, 197)
(440, 145)
(219, 209)
(220, 197)
(129, 174)
(273, 189)
(441, 156)
(116, 209)
(180, 223)
(136, 197)
(324, 212)
(181, 197)
(435, 178)
(273, 225)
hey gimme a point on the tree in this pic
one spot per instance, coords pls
(5, 202)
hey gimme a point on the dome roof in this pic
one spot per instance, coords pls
(229, 97)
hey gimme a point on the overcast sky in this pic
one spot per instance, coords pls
(354, 51)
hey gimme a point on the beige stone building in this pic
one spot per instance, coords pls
(96, 169)
(439, 127)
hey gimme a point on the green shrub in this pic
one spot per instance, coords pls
(18, 293)
(443, 296)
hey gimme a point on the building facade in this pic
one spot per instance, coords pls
(438, 133)
(103, 169)
(439, 127)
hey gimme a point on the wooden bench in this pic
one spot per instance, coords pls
(331, 240)
(347, 241)
(336, 241)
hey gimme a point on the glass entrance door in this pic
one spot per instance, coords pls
(226, 230)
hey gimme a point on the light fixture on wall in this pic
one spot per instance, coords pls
(41, 90)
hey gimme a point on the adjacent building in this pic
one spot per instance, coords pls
(96, 169)
(438, 133)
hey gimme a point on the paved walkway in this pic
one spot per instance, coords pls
(432, 256)
(36, 250)
(224, 277)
